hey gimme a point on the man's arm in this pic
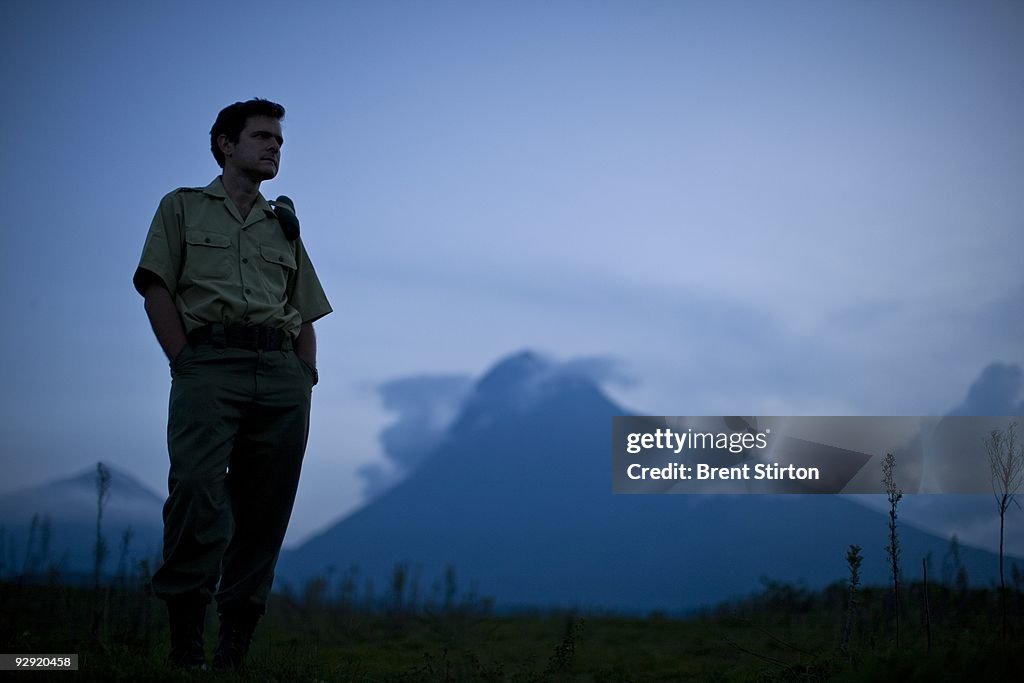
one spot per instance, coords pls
(164, 318)
(305, 344)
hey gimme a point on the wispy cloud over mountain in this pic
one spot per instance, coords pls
(423, 406)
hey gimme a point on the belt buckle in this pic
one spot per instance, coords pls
(276, 338)
(252, 337)
(238, 336)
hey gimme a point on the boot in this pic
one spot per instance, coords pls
(187, 617)
(236, 629)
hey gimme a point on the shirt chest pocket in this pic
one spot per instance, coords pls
(209, 256)
(276, 268)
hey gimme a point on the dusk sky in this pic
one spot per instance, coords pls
(749, 208)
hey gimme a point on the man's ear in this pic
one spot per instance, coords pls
(225, 145)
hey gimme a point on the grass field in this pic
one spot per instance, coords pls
(784, 633)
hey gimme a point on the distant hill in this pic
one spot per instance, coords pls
(517, 498)
(997, 391)
(68, 507)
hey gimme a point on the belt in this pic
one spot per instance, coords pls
(254, 338)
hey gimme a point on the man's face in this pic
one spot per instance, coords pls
(257, 153)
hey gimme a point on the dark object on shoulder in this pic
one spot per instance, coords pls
(284, 209)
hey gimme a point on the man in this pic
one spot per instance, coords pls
(232, 297)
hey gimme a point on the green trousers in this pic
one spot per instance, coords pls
(236, 433)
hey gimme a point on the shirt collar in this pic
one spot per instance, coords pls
(216, 188)
(259, 209)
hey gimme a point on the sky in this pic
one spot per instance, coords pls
(785, 208)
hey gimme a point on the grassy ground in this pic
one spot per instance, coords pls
(782, 634)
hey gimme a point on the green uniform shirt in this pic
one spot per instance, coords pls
(222, 269)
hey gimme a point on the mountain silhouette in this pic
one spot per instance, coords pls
(517, 498)
(69, 506)
(997, 391)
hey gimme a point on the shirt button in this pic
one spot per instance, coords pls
(207, 240)
(248, 291)
(245, 260)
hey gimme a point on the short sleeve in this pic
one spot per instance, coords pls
(161, 255)
(305, 294)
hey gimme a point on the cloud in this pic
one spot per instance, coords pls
(424, 406)
(601, 370)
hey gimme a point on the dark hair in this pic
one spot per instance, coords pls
(231, 121)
